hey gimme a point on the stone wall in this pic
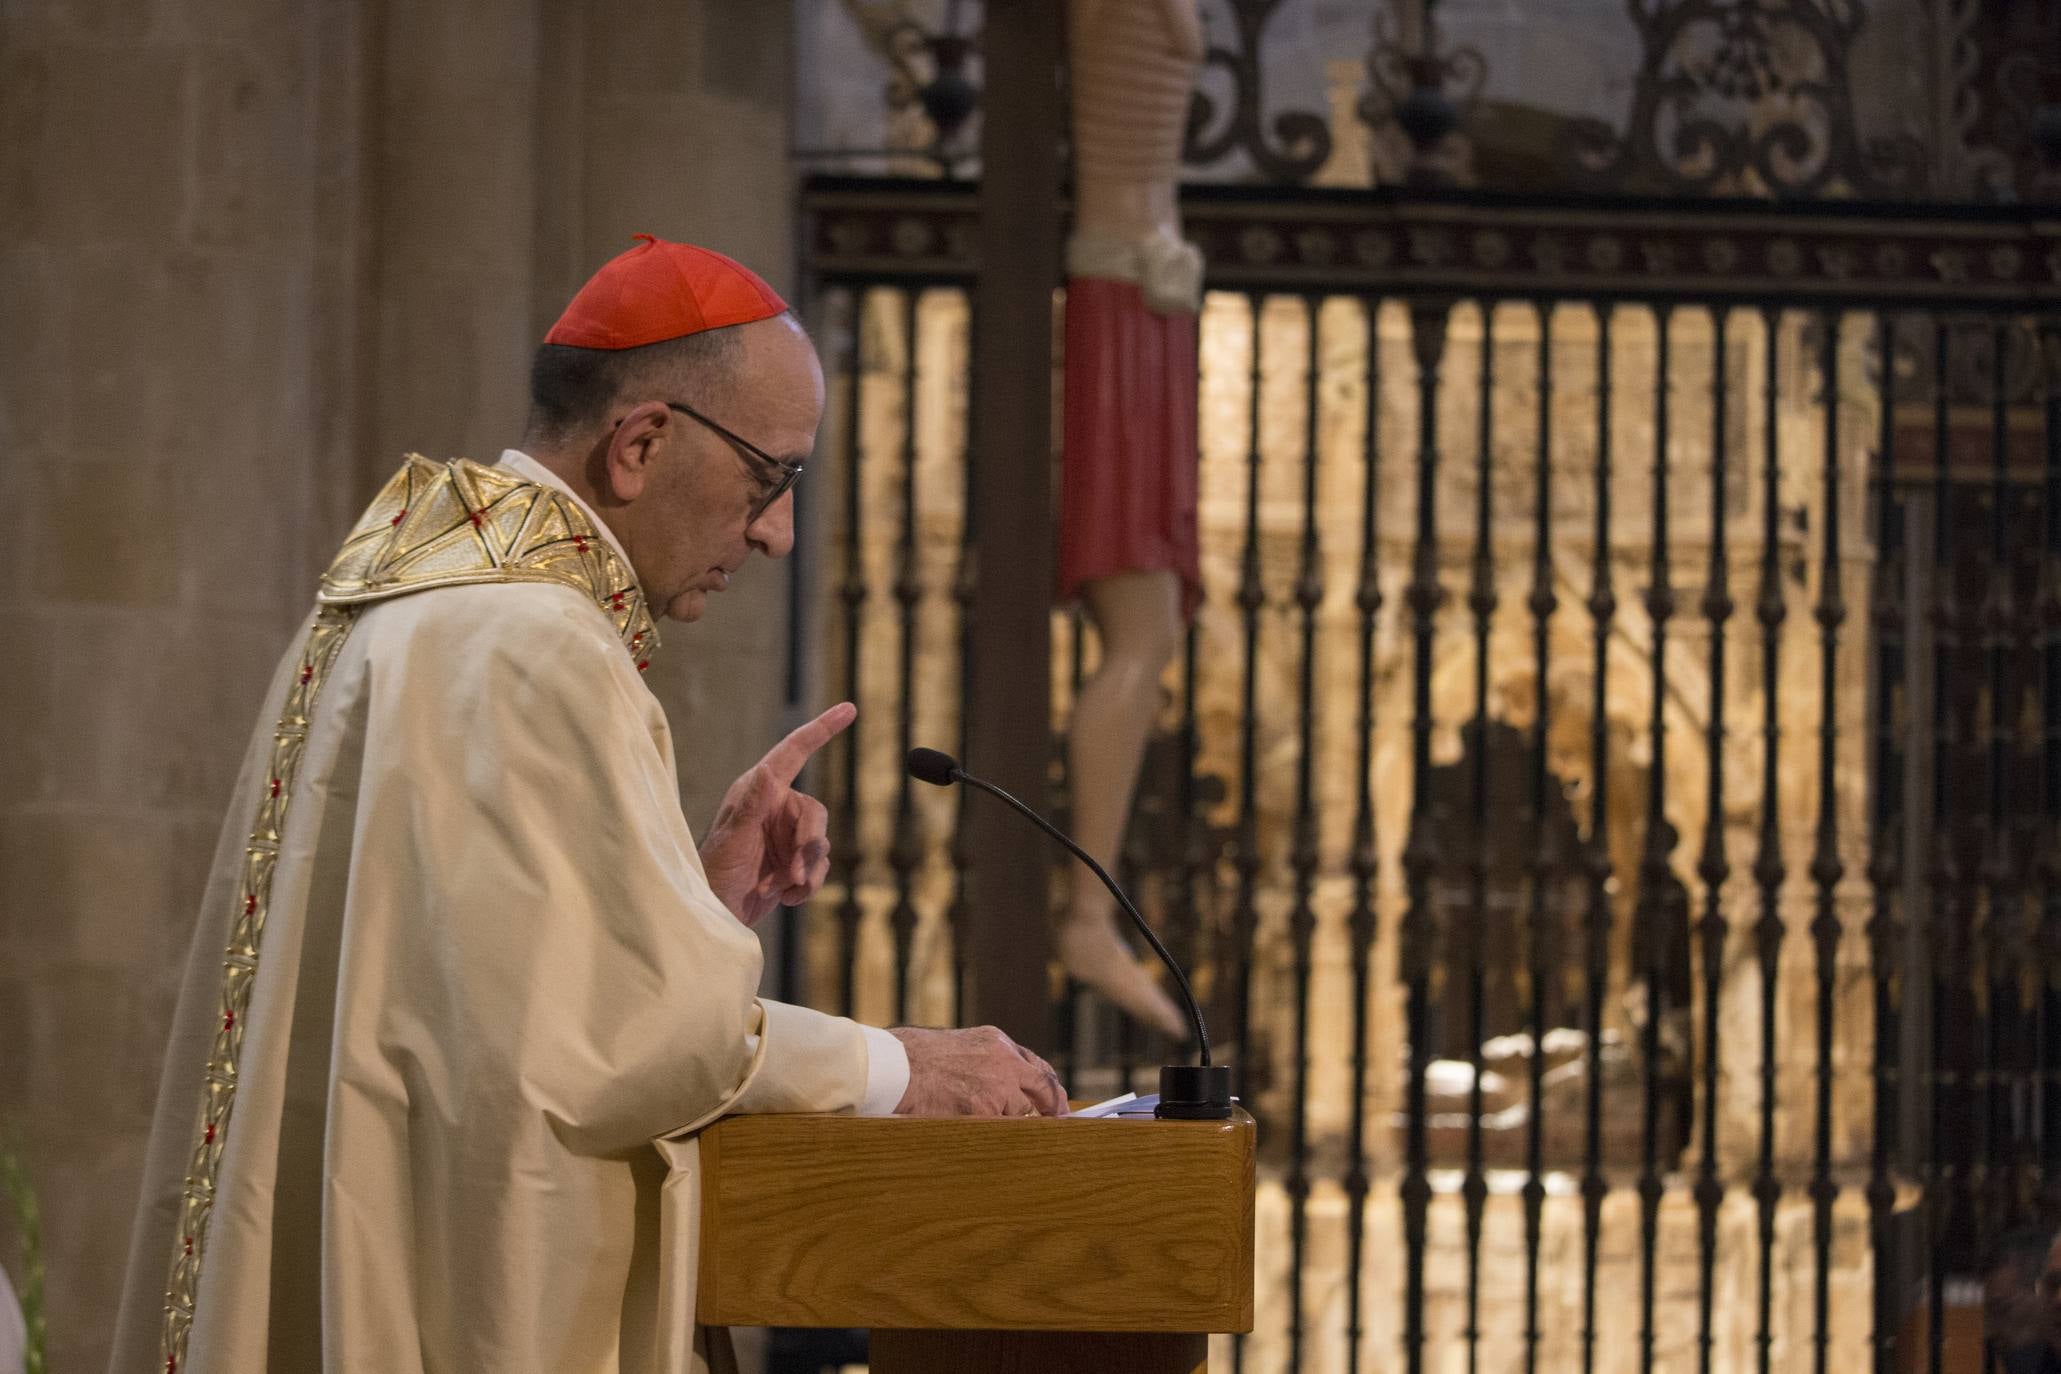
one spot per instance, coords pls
(250, 252)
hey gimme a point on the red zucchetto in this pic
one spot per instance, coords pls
(658, 291)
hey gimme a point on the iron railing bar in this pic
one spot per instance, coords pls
(2047, 1081)
(2026, 798)
(1596, 919)
(1481, 602)
(1251, 597)
(1999, 924)
(1770, 611)
(1309, 595)
(1542, 603)
(1713, 868)
(964, 583)
(1423, 857)
(906, 852)
(1826, 867)
(1943, 903)
(1251, 600)
(1367, 601)
(1885, 871)
(852, 591)
(1189, 862)
(1656, 877)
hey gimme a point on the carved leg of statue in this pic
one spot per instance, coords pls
(1137, 618)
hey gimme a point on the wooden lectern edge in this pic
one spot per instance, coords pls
(1121, 1224)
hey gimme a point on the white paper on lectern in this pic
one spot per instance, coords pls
(1104, 1108)
(1130, 1104)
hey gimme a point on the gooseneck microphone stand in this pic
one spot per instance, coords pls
(1187, 1092)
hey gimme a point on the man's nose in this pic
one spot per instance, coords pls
(771, 532)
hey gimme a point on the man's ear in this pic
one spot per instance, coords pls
(633, 450)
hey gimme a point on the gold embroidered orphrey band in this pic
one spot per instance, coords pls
(433, 525)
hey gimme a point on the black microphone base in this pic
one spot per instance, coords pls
(1194, 1092)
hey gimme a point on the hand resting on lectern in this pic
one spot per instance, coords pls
(977, 1072)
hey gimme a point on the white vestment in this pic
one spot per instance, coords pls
(474, 973)
(14, 1334)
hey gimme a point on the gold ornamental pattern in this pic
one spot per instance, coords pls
(239, 971)
(433, 525)
(461, 523)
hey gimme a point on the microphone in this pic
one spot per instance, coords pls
(1187, 1092)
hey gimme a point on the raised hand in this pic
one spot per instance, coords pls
(769, 845)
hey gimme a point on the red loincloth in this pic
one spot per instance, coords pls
(1127, 488)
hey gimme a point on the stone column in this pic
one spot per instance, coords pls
(452, 190)
(170, 244)
(251, 252)
(674, 121)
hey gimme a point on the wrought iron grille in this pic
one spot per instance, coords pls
(1725, 97)
(1611, 795)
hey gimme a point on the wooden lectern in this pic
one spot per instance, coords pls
(1044, 1244)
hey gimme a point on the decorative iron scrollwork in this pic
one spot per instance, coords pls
(1290, 147)
(2028, 85)
(1427, 93)
(931, 92)
(1745, 97)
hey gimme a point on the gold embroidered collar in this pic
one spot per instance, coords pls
(457, 523)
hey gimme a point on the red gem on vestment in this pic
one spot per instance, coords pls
(580, 542)
(399, 518)
(189, 1245)
(228, 1020)
(642, 664)
(275, 787)
(475, 519)
(172, 1361)
(208, 1136)
(615, 600)
(307, 673)
(250, 903)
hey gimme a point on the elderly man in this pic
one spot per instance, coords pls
(463, 985)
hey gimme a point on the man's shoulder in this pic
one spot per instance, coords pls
(524, 619)
(493, 662)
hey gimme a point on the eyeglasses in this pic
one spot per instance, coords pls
(790, 473)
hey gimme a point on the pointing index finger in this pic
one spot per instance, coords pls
(787, 758)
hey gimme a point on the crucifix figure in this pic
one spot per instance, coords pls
(1127, 541)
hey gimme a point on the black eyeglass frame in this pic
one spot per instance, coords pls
(790, 473)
